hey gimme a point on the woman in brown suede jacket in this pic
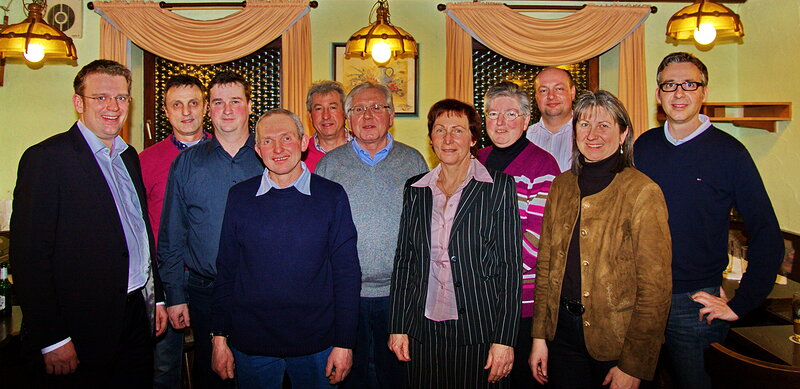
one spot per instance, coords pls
(604, 275)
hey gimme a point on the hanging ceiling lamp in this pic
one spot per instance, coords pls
(704, 21)
(381, 39)
(34, 39)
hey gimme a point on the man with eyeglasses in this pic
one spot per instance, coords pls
(325, 106)
(555, 91)
(373, 170)
(194, 205)
(185, 106)
(82, 249)
(704, 172)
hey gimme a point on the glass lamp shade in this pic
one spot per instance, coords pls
(684, 23)
(382, 33)
(17, 39)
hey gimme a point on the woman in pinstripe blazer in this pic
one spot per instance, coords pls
(455, 297)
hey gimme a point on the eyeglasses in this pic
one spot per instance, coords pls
(374, 108)
(103, 99)
(687, 86)
(509, 115)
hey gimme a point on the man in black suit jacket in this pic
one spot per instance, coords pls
(81, 244)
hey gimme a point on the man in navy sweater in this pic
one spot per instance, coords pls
(288, 277)
(703, 173)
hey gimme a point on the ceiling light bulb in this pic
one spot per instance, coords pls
(34, 53)
(705, 34)
(381, 52)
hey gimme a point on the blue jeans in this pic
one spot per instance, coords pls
(687, 338)
(374, 365)
(200, 292)
(168, 357)
(262, 372)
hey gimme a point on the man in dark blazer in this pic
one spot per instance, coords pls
(81, 251)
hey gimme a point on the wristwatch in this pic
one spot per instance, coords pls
(219, 333)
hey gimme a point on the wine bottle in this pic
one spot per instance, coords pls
(5, 291)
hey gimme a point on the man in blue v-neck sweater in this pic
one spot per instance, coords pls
(288, 277)
(703, 173)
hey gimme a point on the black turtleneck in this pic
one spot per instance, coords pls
(500, 158)
(594, 177)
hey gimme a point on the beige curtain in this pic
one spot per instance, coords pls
(185, 40)
(632, 69)
(459, 79)
(114, 46)
(296, 76)
(574, 38)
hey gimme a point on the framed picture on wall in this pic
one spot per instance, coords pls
(399, 75)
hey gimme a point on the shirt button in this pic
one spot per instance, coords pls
(585, 293)
(560, 253)
(566, 226)
(583, 232)
(453, 258)
(586, 323)
(585, 263)
(457, 284)
(585, 205)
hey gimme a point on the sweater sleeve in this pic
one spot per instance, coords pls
(765, 248)
(228, 258)
(346, 273)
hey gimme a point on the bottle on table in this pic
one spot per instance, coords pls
(5, 291)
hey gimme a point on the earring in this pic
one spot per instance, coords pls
(621, 152)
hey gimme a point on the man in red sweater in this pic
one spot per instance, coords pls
(184, 106)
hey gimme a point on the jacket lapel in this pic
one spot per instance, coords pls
(469, 197)
(426, 211)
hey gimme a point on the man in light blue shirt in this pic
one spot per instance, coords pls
(555, 91)
(81, 246)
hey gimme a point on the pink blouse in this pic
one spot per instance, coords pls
(440, 304)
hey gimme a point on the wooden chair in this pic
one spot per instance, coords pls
(729, 369)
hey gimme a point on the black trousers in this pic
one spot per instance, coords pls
(569, 364)
(521, 375)
(130, 367)
(440, 362)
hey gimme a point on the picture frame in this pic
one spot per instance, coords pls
(399, 75)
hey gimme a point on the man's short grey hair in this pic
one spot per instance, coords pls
(280, 111)
(323, 88)
(362, 88)
(507, 89)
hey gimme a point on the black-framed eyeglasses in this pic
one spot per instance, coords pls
(687, 86)
(121, 99)
(374, 108)
(509, 115)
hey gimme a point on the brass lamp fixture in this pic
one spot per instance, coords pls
(704, 21)
(34, 39)
(380, 39)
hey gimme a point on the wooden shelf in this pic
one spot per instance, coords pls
(755, 115)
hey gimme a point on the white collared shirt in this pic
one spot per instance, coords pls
(706, 123)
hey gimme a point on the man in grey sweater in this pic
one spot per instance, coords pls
(373, 170)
